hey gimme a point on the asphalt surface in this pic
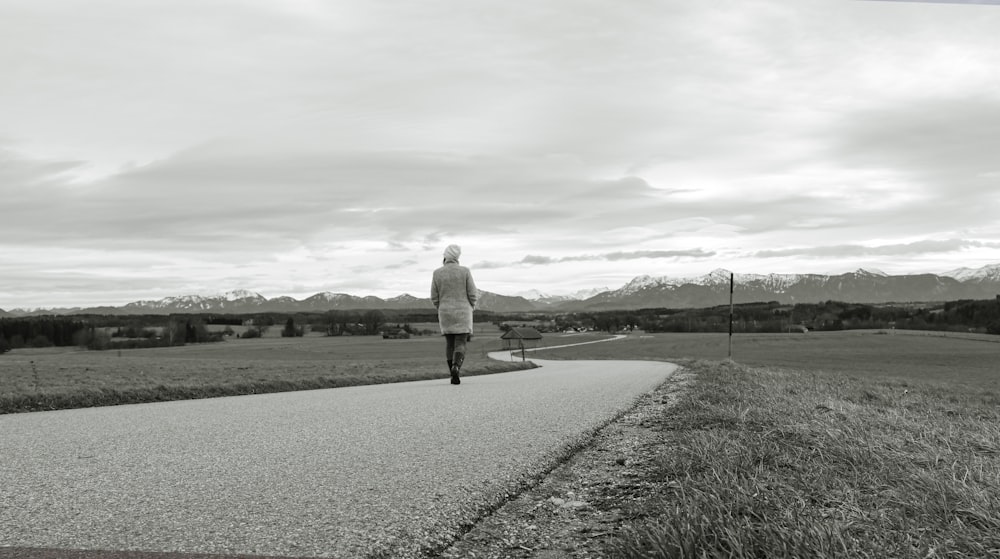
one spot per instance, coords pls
(347, 472)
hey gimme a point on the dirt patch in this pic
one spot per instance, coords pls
(586, 501)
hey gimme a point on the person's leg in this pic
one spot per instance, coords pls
(449, 349)
(450, 343)
(460, 343)
(460, 346)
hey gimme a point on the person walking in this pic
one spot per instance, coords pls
(454, 295)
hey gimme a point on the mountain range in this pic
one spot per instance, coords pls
(861, 286)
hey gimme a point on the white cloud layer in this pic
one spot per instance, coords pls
(165, 148)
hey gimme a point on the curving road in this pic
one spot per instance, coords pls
(325, 473)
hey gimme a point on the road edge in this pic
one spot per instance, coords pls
(556, 510)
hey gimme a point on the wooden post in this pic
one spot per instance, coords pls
(731, 282)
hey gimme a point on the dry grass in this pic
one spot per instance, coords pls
(765, 462)
(821, 445)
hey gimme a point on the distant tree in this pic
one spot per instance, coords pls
(40, 340)
(93, 338)
(291, 331)
(372, 321)
(252, 332)
(4, 346)
(190, 331)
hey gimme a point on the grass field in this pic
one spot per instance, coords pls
(916, 356)
(56, 378)
(848, 444)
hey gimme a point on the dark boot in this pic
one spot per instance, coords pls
(456, 367)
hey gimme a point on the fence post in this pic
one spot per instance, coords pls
(731, 282)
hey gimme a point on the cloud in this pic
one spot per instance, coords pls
(950, 137)
(905, 249)
(227, 194)
(17, 169)
(995, 2)
(696, 253)
(310, 144)
(536, 260)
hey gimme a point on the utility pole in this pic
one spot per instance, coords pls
(731, 282)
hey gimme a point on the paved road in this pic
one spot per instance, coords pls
(324, 473)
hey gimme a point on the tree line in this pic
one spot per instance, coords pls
(981, 316)
(128, 332)
(39, 332)
(92, 331)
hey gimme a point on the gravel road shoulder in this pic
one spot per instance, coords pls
(587, 500)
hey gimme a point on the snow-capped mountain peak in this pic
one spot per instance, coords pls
(640, 283)
(240, 295)
(543, 297)
(991, 272)
(183, 300)
(328, 296)
(715, 277)
(533, 295)
(585, 294)
(872, 272)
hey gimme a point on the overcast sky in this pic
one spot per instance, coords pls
(289, 147)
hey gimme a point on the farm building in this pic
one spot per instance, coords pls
(395, 334)
(521, 338)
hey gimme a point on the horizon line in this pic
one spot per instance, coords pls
(406, 293)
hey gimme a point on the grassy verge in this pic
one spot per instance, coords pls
(46, 400)
(769, 462)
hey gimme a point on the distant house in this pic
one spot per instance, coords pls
(519, 338)
(395, 334)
